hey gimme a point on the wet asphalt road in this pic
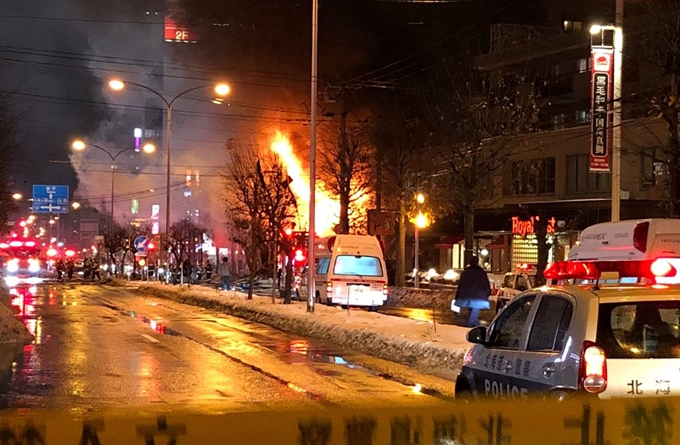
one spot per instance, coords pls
(100, 348)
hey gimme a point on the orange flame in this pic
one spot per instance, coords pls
(327, 207)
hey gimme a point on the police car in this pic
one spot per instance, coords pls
(514, 283)
(609, 327)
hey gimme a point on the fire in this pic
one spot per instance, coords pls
(327, 208)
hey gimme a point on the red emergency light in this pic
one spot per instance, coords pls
(70, 253)
(29, 244)
(4, 245)
(583, 270)
(16, 243)
(51, 252)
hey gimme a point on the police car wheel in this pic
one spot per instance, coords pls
(463, 390)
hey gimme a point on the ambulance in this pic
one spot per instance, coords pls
(608, 325)
(350, 271)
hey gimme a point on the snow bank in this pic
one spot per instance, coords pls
(420, 298)
(12, 331)
(400, 340)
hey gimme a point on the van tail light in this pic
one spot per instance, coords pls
(329, 288)
(385, 289)
(593, 368)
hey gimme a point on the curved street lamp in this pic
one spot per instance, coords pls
(80, 145)
(220, 89)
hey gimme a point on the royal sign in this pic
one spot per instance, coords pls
(524, 227)
(601, 108)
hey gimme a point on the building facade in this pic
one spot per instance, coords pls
(547, 175)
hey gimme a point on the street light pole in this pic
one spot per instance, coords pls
(113, 184)
(221, 89)
(416, 279)
(168, 137)
(616, 142)
(420, 199)
(311, 269)
(80, 145)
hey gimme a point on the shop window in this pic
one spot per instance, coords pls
(559, 121)
(654, 171)
(583, 116)
(532, 177)
(581, 180)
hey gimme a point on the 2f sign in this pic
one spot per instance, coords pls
(181, 34)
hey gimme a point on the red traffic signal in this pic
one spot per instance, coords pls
(150, 246)
(288, 232)
(299, 255)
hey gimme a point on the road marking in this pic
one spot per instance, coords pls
(150, 338)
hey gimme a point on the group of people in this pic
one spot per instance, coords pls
(67, 267)
(91, 270)
(198, 273)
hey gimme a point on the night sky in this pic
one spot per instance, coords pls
(55, 58)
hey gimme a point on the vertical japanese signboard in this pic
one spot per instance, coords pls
(601, 108)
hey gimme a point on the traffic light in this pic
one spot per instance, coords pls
(299, 255)
(288, 232)
(150, 247)
(141, 262)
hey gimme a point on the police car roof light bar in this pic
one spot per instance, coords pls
(652, 269)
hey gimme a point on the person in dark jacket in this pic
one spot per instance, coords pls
(473, 291)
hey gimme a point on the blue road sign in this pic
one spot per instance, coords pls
(50, 198)
(141, 243)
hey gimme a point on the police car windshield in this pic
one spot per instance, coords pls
(649, 329)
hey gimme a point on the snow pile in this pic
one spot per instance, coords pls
(12, 331)
(420, 298)
(400, 340)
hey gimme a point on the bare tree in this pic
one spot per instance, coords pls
(346, 167)
(474, 125)
(259, 206)
(118, 242)
(279, 210)
(185, 235)
(399, 138)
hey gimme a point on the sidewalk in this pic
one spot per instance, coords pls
(401, 340)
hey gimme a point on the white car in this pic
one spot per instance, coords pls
(514, 283)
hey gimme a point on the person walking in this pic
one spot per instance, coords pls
(96, 275)
(208, 270)
(223, 270)
(473, 291)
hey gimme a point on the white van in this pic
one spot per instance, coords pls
(350, 270)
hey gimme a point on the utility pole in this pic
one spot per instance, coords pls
(311, 268)
(616, 142)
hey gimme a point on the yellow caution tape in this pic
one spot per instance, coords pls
(581, 422)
